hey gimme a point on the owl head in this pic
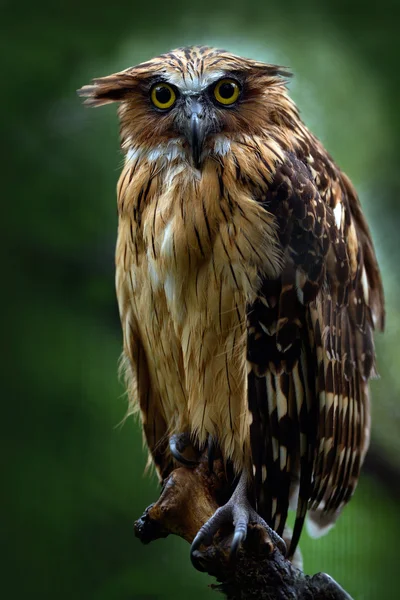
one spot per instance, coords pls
(191, 103)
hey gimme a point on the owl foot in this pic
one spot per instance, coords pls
(240, 513)
(178, 443)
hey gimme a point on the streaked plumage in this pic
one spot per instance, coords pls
(247, 284)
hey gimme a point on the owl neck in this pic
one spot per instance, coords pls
(230, 167)
(171, 160)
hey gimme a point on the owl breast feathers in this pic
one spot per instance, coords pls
(247, 281)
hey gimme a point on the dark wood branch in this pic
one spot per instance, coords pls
(259, 571)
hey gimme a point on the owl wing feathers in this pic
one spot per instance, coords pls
(310, 348)
(135, 368)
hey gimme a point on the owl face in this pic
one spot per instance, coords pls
(194, 112)
(191, 103)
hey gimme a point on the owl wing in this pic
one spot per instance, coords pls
(310, 349)
(136, 356)
(143, 398)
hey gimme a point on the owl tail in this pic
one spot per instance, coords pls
(297, 558)
(319, 522)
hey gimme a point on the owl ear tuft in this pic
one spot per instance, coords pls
(105, 90)
(276, 74)
(278, 71)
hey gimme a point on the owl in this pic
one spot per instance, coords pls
(248, 288)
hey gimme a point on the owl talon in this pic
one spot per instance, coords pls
(240, 513)
(205, 536)
(238, 538)
(178, 444)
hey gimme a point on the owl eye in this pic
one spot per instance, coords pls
(226, 91)
(162, 96)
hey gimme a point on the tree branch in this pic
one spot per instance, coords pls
(260, 571)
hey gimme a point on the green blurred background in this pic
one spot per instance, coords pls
(73, 480)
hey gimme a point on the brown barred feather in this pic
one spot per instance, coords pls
(328, 285)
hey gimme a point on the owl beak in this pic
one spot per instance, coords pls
(196, 139)
(197, 131)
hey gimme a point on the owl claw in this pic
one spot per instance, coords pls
(177, 444)
(239, 512)
(238, 538)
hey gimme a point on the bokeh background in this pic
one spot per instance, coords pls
(73, 478)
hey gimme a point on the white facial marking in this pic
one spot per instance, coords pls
(222, 145)
(167, 152)
(192, 83)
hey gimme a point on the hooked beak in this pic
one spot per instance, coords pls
(196, 139)
(197, 131)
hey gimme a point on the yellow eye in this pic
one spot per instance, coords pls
(227, 91)
(163, 96)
